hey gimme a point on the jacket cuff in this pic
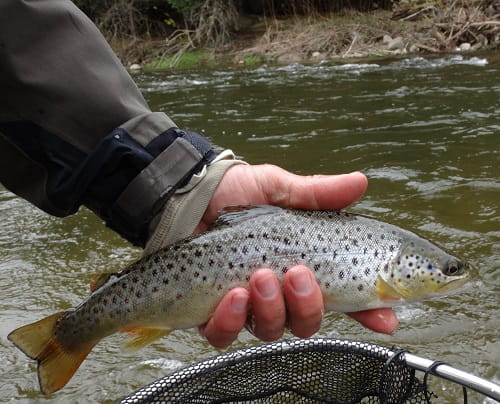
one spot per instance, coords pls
(174, 157)
(184, 210)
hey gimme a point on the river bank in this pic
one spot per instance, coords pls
(311, 39)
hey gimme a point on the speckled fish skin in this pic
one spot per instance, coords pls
(359, 263)
(180, 286)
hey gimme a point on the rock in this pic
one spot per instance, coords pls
(316, 54)
(135, 67)
(386, 39)
(413, 48)
(396, 44)
(464, 47)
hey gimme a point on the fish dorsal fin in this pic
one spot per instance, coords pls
(99, 280)
(231, 215)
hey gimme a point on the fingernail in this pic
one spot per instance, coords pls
(301, 282)
(266, 287)
(239, 303)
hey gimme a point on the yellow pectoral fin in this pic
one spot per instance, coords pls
(386, 292)
(142, 336)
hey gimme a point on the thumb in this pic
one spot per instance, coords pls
(269, 184)
(325, 192)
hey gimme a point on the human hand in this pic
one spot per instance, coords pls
(299, 305)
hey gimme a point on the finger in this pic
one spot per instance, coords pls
(268, 305)
(228, 319)
(304, 301)
(378, 320)
(314, 192)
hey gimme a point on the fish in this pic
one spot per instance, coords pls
(359, 263)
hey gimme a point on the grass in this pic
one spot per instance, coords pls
(184, 61)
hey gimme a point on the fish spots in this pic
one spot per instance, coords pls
(264, 259)
(355, 261)
(196, 274)
(198, 253)
(317, 267)
(286, 240)
(244, 250)
(367, 271)
(169, 265)
(154, 289)
(250, 235)
(165, 281)
(341, 275)
(230, 265)
(302, 230)
(178, 296)
(138, 294)
(369, 236)
(360, 287)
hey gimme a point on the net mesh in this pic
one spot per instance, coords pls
(305, 371)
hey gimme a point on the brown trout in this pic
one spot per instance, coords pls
(360, 263)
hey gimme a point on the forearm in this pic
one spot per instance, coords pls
(75, 129)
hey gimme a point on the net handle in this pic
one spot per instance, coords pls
(450, 373)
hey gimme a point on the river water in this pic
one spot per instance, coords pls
(425, 131)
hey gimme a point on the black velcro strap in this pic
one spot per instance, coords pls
(145, 195)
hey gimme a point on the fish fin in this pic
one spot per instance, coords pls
(231, 215)
(56, 363)
(386, 292)
(99, 280)
(142, 336)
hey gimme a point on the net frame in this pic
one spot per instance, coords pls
(337, 371)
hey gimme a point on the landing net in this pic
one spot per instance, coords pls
(308, 371)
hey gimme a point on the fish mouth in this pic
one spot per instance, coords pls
(456, 283)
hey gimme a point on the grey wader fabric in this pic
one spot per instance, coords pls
(74, 127)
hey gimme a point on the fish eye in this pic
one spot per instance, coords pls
(452, 267)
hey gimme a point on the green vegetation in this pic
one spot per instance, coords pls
(187, 60)
(168, 34)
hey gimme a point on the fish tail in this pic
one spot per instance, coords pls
(56, 363)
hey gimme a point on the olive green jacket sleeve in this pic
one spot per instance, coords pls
(75, 129)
